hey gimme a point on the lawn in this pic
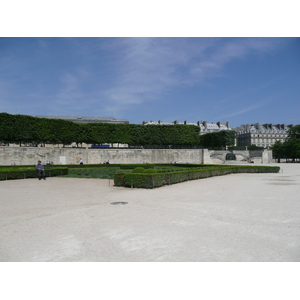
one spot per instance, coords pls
(103, 173)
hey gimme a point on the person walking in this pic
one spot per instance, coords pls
(41, 170)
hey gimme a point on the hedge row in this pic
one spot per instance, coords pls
(146, 180)
(29, 172)
(121, 166)
(29, 129)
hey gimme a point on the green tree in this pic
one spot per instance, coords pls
(278, 150)
(7, 128)
(164, 134)
(292, 148)
(27, 129)
(294, 132)
(219, 139)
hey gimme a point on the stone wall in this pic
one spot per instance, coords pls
(30, 155)
(258, 156)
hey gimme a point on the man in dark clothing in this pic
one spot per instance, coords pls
(41, 170)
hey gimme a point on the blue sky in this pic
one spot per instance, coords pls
(239, 80)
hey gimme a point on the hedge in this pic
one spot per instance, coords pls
(152, 180)
(121, 166)
(144, 180)
(29, 172)
(29, 129)
(133, 166)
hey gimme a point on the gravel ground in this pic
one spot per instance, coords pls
(232, 218)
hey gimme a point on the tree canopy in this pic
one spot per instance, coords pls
(24, 129)
(291, 147)
(219, 139)
(294, 132)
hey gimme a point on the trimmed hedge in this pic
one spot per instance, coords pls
(79, 166)
(121, 166)
(152, 180)
(28, 129)
(133, 166)
(146, 180)
(138, 170)
(7, 173)
(150, 171)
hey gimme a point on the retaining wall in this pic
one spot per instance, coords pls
(30, 155)
(257, 156)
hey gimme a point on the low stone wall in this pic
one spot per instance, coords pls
(29, 156)
(258, 156)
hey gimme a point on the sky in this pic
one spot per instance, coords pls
(235, 80)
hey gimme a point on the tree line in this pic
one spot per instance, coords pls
(290, 149)
(23, 129)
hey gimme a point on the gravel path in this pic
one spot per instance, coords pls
(238, 217)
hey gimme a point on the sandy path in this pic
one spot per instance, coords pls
(238, 217)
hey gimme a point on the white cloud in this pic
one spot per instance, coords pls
(226, 50)
(115, 74)
(244, 110)
(258, 103)
(148, 67)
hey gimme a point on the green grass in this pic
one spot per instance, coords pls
(108, 172)
(171, 167)
(103, 173)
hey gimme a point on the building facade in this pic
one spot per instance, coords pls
(87, 119)
(205, 127)
(261, 135)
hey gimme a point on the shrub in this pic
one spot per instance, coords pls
(150, 171)
(119, 179)
(140, 180)
(29, 172)
(138, 170)
(132, 166)
(154, 179)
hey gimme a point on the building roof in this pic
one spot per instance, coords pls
(205, 127)
(263, 128)
(83, 119)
